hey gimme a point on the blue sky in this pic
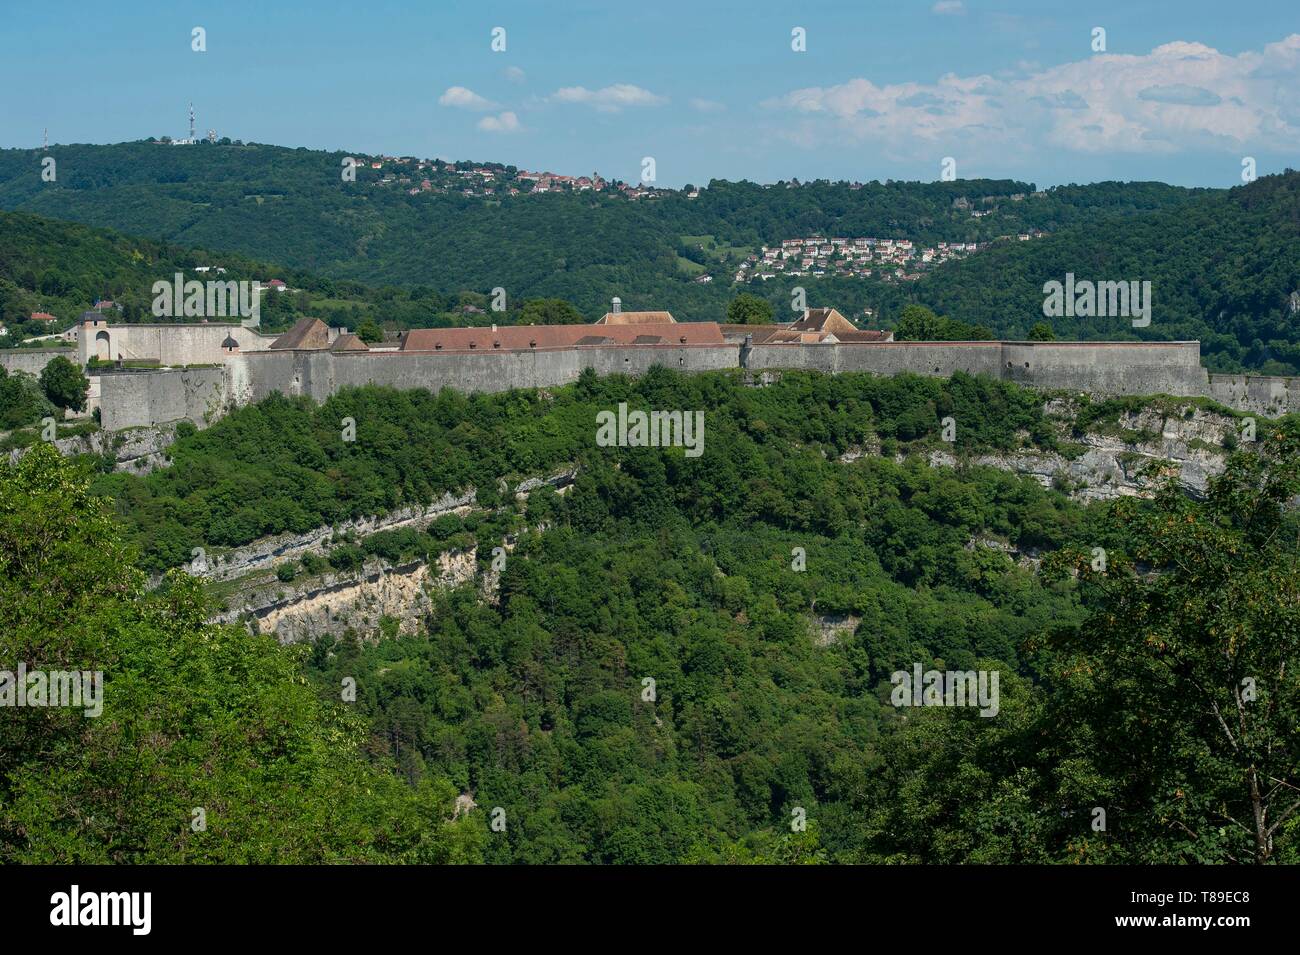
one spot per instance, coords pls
(1182, 92)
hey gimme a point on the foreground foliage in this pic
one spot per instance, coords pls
(656, 676)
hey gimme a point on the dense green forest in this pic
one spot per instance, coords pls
(63, 269)
(1224, 270)
(209, 746)
(282, 465)
(291, 206)
(1223, 264)
(684, 571)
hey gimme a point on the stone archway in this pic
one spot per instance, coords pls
(102, 349)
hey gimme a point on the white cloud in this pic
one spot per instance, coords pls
(707, 105)
(948, 7)
(609, 99)
(507, 122)
(514, 74)
(462, 98)
(1180, 94)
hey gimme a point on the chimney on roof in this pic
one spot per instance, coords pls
(616, 306)
(494, 328)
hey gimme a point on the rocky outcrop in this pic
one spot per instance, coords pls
(357, 600)
(135, 450)
(1114, 459)
(264, 554)
(337, 601)
(829, 629)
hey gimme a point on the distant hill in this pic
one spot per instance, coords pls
(1223, 263)
(64, 268)
(1224, 268)
(293, 206)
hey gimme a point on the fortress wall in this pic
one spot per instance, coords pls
(938, 359)
(139, 399)
(178, 344)
(1112, 368)
(326, 372)
(922, 358)
(1107, 368)
(638, 359)
(32, 360)
(320, 374)
(250, 339)
(1256, 394)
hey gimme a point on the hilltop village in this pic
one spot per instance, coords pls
(891, 259)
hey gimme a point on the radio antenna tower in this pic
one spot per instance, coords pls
(192, 137)
(47, 139)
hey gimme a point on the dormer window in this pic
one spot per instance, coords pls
(532, 343)
(437, 346)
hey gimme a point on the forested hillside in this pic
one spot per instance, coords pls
(1224, 265)
(771, 677)
(292, 206)
(413, 446)
(64, 268)
(1224, 269)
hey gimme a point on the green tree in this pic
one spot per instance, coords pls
(749, 309)
(1042, 332)
(21, 400)
(194, 717)
(549, 311)
(370, 332)
(1190, 657)
(919, 324)
(64, 384)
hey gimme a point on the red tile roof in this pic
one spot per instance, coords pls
(307, 333)
(523, 337)
(865, 335)
(636, 318)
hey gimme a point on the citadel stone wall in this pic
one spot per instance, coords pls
(1256, 394)
(1101, 368)
(1107, 368)
(320, 374)
(32, 360)
(168, 344)
(136, 399)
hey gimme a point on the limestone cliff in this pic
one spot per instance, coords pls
(357, 600)
(1192, 440)
(137, 450)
